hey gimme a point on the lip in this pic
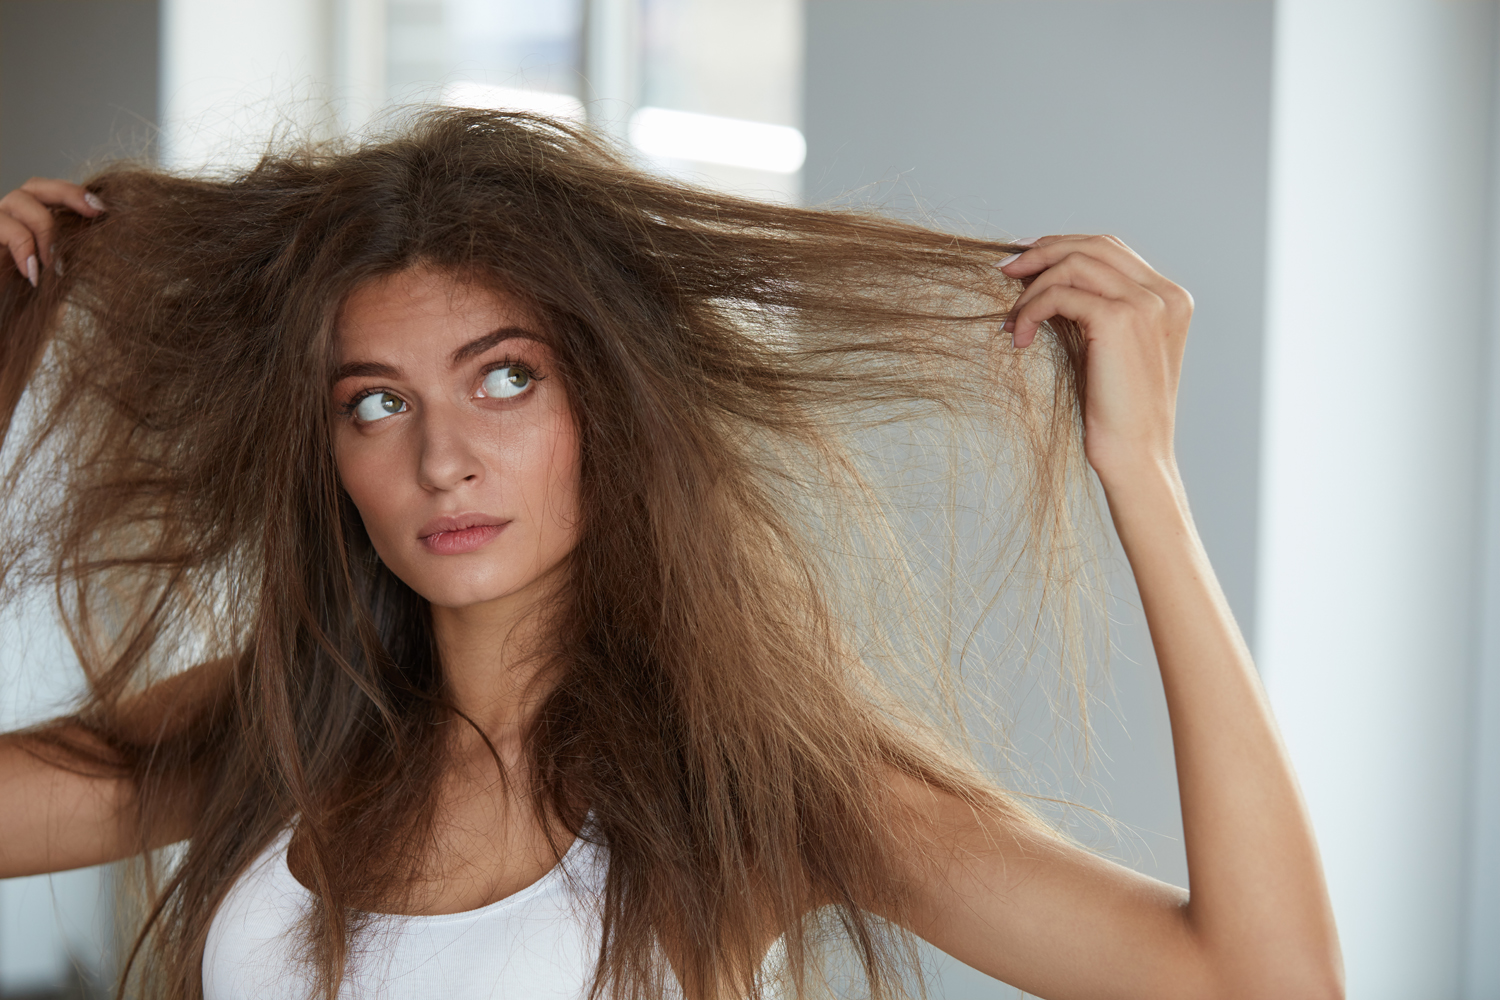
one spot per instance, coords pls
(460, 533)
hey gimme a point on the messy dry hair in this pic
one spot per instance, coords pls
(752, 642)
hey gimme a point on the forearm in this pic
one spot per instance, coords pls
(71, 800)
(1258, 902)
(60, 813)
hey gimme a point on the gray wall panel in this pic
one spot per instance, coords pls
(78, 81)
(1149, 120)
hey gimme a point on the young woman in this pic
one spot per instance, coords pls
(471, 548)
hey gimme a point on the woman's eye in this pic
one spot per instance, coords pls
(378, 406)
(504, 383)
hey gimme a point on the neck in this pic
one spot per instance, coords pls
(492, 658)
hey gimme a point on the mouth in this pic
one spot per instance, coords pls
(456, 535)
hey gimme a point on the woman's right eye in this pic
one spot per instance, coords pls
(378, 406)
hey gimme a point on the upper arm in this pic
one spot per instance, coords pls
(70, 801)
(1044, 915)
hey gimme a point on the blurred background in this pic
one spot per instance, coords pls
(1321, 174)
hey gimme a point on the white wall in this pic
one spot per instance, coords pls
(1374, 392)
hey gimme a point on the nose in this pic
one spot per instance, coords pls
(448, 458)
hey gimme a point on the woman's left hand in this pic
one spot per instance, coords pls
(1135, 323)
(1057, 921)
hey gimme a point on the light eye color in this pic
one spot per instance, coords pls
(506, 383)
(378, 406)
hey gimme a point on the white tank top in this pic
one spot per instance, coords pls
(538, 944)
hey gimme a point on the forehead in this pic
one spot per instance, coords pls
(420, 311)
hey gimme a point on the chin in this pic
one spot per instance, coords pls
(480, 585)
(446, 594)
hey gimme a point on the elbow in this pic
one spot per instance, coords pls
(1321, 974)
(1329, 986)
(1278, 972)
(1313, 981)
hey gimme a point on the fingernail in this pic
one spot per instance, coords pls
(1028, 241)
(31, 270)
(1006, 260)
(92, 200)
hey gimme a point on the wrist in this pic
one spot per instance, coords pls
(1148, 504)
(1130, 473)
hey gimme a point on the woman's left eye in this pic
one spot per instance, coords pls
(506, 383)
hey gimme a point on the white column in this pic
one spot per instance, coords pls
(359, 51)
(1373, 401)
(612, 62)
(234, 73)
(1481, 970)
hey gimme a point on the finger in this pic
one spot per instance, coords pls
(1090, 274)
(1030, 242)
(1048, 250)
(50, 191)
(18, 239)
(35, 216)
(1060, 300)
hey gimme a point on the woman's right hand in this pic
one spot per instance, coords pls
(26, 220)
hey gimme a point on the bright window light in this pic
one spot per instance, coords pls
(467, 94)
(683, 135)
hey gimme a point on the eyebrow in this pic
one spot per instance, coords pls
(479, 345)
(370, 369)
(474, 348)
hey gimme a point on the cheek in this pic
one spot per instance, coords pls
(552, 478)
(367, 478)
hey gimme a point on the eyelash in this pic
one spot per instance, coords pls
(347, 408)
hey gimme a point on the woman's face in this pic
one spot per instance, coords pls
(454, 438)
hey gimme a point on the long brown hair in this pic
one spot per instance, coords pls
(735, 656)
